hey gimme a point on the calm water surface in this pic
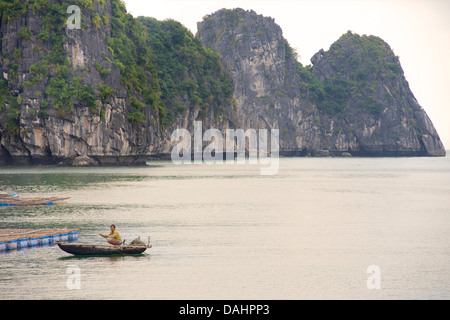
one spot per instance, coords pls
(226, 232)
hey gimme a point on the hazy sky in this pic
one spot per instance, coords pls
(417, 30)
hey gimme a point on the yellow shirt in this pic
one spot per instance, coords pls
(115, 235)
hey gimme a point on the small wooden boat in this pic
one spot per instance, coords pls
(82, 249)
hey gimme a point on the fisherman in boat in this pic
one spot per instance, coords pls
(114, 237)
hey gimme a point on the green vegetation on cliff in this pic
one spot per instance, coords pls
(360, 64)
(9, 108)
(189, 73)
(128, 46)
(363, 57)
(61, 86)
(160, 63)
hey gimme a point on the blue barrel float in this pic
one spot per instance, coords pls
(14, 239)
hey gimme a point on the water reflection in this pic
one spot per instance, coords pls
(33, 182)
(106, 258)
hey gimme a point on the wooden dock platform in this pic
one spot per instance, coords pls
(12, 239)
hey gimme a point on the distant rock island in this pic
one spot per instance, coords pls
(113, 91)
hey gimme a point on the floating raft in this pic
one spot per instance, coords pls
(9, 201)
(12, 239)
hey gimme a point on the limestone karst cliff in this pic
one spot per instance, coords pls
(353, 99)
(95, 91)
(112, 91)
(67, 98)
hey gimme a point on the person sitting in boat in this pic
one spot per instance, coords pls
(114, 237)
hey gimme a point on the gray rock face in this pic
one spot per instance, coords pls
(382, 112)
(84, 161)
(106, 135)
(266, 86)
(378, 117)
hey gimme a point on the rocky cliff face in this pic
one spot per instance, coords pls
(113, 91)
(66, 98)
(380, 110)
(354, 99)
(108, 93)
